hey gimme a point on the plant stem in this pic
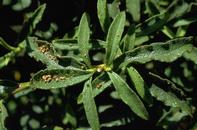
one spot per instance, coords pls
(6, 45)
(22, 86)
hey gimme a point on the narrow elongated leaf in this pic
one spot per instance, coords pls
(129, 41)
(185, 22)
(32, 21)
(169, 99)
(58, 78)
(103, 14)
(90, 106)
(128, 96)
(139, 85)
(70, 116)
(164, 52)
(42, 51)
(114, 36)
(71, 44)
(133, 7)
(84, 34)
(83, 38)
(114, 8)
(99, 84)
(152, 24)
(65, 44)
(192, 55)
(3, 116)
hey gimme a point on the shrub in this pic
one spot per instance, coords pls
(143, 56)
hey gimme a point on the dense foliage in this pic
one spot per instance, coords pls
(120, 64)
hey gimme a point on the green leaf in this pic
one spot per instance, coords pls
(58, 78)
(99, 84)
(152, 24)
(185, 22)
(31, 22)
(168, 32)
(103, 14)
(178, 10)
(181, 31)
(139, 84)
(133, 7)
(42, 51)
(65, 44)
(129, 41)
(70, 116)
(3, 116)
(113, 8)
(128, 96)
(151, 7)
(170, 99)
(164, 52)
(141, 40)
(21, 4)
(192, 55)
(83, 38)
(114, 37)
(90, 106)
(72, 45)
(36, 17)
